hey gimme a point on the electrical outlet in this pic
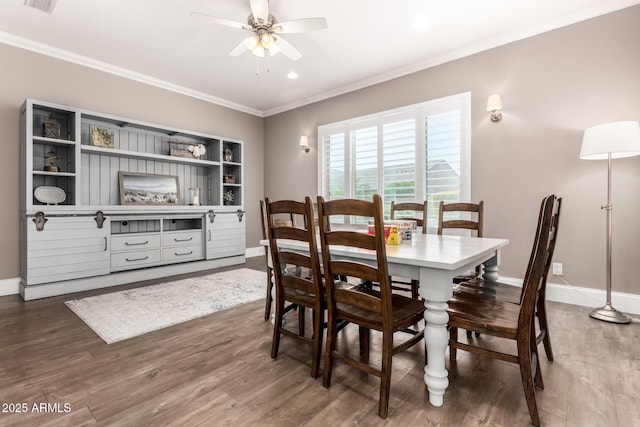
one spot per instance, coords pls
(557, 269)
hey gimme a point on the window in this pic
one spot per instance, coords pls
(415, 153)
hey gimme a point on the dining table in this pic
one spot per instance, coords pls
(434, 260)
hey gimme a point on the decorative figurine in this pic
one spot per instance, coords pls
(51, 162)
(228, 154)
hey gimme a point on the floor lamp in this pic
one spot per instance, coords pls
(610, 141)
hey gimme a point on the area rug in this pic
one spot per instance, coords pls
(125, 314)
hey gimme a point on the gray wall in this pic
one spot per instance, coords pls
(25, 74)
(553, 86)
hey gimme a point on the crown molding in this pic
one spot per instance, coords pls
(27, 44)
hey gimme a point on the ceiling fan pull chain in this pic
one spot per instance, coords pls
(268, 60)
(257, 66)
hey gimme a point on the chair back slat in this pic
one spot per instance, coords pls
(294, 258)
(352, 239)
(354, 269)
(358, 297)
(292, 283)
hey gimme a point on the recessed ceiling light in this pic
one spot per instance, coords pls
(292, 75)
(420, 23)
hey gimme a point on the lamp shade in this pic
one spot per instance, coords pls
(494, 103)
(304, 141)
(621, 139)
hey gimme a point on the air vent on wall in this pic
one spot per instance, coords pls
(43, 5)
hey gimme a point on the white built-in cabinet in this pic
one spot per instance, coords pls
(92, 239)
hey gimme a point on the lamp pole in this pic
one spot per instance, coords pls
(607, 312)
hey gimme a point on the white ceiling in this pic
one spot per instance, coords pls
(367, 41)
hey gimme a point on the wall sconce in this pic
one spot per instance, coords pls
(494, 104)
(304, 144)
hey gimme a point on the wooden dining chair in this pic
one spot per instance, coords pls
(419, 215)
(287, 220)
(474, 224)
(485, 289)
(380, 310)
(299, 290)
(509, 321)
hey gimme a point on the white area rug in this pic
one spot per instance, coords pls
(121, 315)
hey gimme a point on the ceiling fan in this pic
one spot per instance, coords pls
(265, 38)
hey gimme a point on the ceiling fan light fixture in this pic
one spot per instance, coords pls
(251, 42)
(258, 51)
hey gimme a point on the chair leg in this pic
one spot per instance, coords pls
(542, 321)
(317, 344)
(524, 357)
(332, 332)
(414, 289)
(279, 314)
(453, 337)
(385, 377)
(365, 339)
(268, 300)
(301, 320)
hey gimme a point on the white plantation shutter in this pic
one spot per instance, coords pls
(399, 161)
(364, 162)
(443, 160)
(333, 152)
(410, 154)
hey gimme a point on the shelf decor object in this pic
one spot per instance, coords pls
(228, 154)
(229, 179)
(147, 189)
(187, 150)
(101, 137)
(51, 162)
(610, 141)
(49, 195)
(51, 128)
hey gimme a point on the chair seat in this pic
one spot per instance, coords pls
(469, 312)
(406, 311)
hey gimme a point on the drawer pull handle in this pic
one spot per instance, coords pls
(137, 259)
(183, 240)
(184, 253)
(136, 244)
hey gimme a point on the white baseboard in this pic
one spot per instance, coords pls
(254, 252)
(585, 297)
(9, 286)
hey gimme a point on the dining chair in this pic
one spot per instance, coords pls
(449, 218)
(380, 310)
(289, 219)
(419, 215)
(514, 322)
(299, 290)
(486, 289)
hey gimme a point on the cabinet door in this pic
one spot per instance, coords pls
(225, 236)
(67, 248)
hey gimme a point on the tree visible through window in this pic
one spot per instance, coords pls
(416, 153)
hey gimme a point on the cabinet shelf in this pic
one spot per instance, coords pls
(53, 141)
(146, 156)
(54, 173)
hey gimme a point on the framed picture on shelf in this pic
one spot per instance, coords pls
(148, 189)
(101, 137)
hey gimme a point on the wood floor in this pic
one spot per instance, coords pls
(216, 370)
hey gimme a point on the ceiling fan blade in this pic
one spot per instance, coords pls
(300, 25)
(288, 50)
(239, 49)
(219, 21)
(260, 10)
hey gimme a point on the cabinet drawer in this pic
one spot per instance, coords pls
(181, 238)
(129, 242)
(182, 253)
(134, 259)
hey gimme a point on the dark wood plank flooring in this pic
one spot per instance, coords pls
(216, 370)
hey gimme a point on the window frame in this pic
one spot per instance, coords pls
(418, 112)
